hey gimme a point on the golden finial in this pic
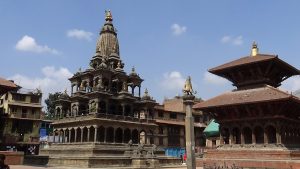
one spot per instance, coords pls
(108, 16)
(188, 88)
(133, 70)
(254, 50)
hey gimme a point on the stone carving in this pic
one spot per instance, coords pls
(129, 144)
(100, 84)
(93, 107)
(153, 150)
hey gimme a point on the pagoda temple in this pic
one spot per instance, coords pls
(259, 124)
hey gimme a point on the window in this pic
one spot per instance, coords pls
(19, 97)
(35, 99)
(1, 101)
(160, 114)
(13, 109)
(173, 115)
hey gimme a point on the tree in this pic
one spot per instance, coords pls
(50, 102)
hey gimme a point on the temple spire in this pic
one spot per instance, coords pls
(108, 16)
(254, 50)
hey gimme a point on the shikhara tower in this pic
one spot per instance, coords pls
(105, 105)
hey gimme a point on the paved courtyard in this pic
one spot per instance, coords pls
(34, 167)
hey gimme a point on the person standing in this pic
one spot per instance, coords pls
(2, 164)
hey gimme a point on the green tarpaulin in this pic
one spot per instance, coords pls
(212, 130)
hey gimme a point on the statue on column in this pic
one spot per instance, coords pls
(188, 88)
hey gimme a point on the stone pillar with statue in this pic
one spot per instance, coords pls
(188, 100)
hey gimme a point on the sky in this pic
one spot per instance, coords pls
(43, 43)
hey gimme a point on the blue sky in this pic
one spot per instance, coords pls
(44, 42)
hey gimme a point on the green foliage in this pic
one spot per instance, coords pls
(50, 102)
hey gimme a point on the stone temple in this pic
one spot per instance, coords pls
(105, 122)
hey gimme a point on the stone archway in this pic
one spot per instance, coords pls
(135, 136)
(101, 134)
(110, 135)
(72, 139)
(84, 134)
(119, 135)
(127, 135)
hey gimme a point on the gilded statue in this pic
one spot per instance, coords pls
(188, 88)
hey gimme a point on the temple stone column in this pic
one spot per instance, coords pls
(81, 135)
(75, 135)
(95, 134)
(70, 135)
(105, 130)
(63, 140)
(59, 135)
(188, 101)
(88, 134)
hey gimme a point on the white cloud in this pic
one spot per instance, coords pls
(177, 29)
(80, 34)
(173, 81)
(28, 44)
(213, 79)
(237, 41)
(53, 80)
(292, 84)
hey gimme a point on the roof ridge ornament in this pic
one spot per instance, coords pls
(108, 15)
(254, 50)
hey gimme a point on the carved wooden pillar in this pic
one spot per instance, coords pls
(253, 137)
(265, 137)
(221, 139)
(231, 138)
(59, 133)
(242, 137)
(278, 135)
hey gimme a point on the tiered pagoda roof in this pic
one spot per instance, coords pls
(256, 70)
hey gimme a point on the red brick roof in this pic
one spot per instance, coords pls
(244, 60)
(250, 60)
(261, 94)
(7, 83)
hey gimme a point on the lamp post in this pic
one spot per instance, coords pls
(188, 100)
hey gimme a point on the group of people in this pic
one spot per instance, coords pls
(2, 163)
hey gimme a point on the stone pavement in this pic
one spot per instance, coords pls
(34, 167)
